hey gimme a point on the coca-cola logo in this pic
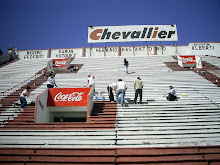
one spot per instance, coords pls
(60, 63)
(189, 59)
(75, 96)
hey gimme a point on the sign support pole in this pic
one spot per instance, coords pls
(161, 47)
(133, 48)
(147, 48)
(90, 50)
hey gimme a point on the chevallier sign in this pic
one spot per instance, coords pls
(132, 33)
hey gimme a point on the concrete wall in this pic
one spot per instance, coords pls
(66, 53)
(42, 113)
(191, 49)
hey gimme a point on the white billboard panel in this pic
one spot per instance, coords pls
(32, 54)
(205, 48)
(65, 53)
(132, 33)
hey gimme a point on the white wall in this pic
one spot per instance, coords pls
(191, 49)
(205, 48)
(32, 54)
(66, 53)
(42, 114)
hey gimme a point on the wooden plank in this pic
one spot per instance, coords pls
(161, 159)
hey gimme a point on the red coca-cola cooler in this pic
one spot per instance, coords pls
(188, 61)
(71, 104)
(59, 64)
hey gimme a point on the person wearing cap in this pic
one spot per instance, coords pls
(51, 81)
(171, 95)
(22, 98)
(138, 86)
(121, 87)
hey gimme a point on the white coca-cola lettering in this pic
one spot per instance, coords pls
(188, 59)
(60, 63)
(75, 96)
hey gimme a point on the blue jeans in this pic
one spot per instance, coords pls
(122, 92)
(23, 102)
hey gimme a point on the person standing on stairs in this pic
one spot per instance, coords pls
(138, 86)
(126, 66)
(121, 87)
(91, 81)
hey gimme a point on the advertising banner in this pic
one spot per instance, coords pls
(66, 97)
(205, 48)
(60, 62)
(132, 33)
(188, 59)
(65, 53)
(32, 54)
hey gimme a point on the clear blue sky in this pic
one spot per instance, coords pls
(42, 24)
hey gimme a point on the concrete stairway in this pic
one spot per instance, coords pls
(192, 120)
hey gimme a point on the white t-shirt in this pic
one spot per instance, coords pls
(91, 81)
(173, 92)
(121, 85)
(24, 93)
(112, 85)
(51, 80)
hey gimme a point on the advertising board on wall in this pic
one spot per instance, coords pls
(33, 54)
(65, 97)
(205, 48)
(65, 53)
(132, 33)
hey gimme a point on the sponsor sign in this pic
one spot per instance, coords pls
(60, 62)
(32, 54)
(66, 97)
(65, 53)
(132, 33)
(188, 59)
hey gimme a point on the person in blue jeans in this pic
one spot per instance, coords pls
(121, 87)
(23, 100)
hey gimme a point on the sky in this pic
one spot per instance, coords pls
(43, 24)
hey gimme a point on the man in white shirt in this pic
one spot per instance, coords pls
(51, 81)
(121, 87)
(91, 81)
(171, 94)
(23, 100)
(110, 89)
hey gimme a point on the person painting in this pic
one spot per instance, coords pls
(51, 81)
(22, 98)
(138, 86)
(171, 95)
(121, 87)
(110, 89)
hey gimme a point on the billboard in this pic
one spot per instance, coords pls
(65, 53)
(132, 33)
(64, 97)
(33, 54)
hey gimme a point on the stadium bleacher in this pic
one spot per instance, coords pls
(157, 131)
